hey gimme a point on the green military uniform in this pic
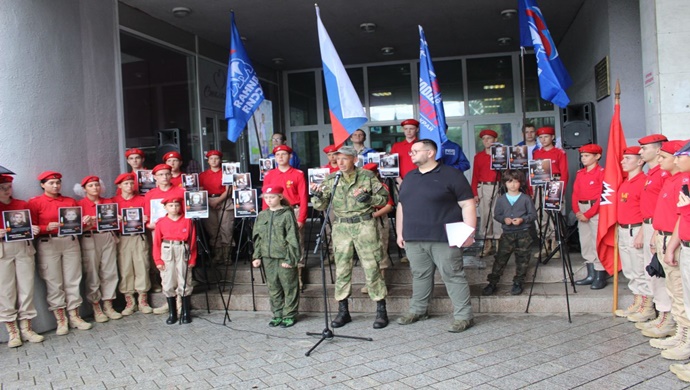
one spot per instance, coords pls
(276, 241)
(354, 228)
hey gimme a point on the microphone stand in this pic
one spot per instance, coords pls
(327, 333)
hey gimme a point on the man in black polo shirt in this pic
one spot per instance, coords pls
(430, 197)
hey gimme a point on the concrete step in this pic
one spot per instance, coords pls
(546, 298)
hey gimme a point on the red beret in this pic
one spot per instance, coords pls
(275, 190)
(282, 148)
(672, 147)
(488, 132)
(546, 130)
(214, 153)
(650, 139)
(124, 177)
(89, 179)
(330, 149)
(632, 150)
(172, 199)
(161, 167)
(371, 167)
(173, 154)
(6, 179)
(132, 151)
(412, 122)
(47, 175)
(590, 148)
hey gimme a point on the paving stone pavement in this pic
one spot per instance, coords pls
(512, 351)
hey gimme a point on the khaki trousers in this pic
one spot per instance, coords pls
(59, 265)
(588, 239)
(486, 211)
(175, 255)
(674, 283)
(633, 261)
(17, 281)
(685, 275)
(133, 263)
(220, 230)
(656, 285)
(99, 259)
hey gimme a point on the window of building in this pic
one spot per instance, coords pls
(302, 98)
(490, 85)
(390, 92)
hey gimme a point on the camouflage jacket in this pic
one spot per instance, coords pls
(276, 236)
(345, 204)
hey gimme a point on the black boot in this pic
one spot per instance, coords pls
(172, 309)
(343, 316)
(381, 320)
(186, 309)
(589, 278)
(599, 280)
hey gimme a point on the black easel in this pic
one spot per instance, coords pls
(204, 255)
(561, 239)
(326, 238)
(327, 333)
(494, 192)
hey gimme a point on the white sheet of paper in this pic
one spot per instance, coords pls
(458, 233)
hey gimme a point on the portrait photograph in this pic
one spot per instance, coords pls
(246, 202)
(317, 176)
(518, 157)
(190, 181)
(229, 169)
(107, 217)
(17, 225)
(499, 157)
(157, 210)
(146, 181)
(553, 195)
(539, 172)
(242, 181)
(70, 221)
(133, 221)
(389, 165)
(196, 204)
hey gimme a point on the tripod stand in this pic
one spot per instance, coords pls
(489, 216)
(327, 333)
(327, 238)
(204, 255)
(561, 238)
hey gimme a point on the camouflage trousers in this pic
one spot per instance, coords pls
(512, 242)
(364, 237)
(283, 288)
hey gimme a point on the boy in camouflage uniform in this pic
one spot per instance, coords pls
(276, 243)
(516, 212)
(357, 193)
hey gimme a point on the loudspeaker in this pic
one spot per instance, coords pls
(168, 141)
(579, 126)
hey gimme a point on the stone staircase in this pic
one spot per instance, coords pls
(548, 295)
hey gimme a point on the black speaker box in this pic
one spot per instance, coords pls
(579, 127)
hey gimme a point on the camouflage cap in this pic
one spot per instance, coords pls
(347, 150)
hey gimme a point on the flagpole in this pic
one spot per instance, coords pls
(524, 91)
(617, 101)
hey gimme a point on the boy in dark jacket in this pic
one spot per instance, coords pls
(515, 211)
(276, 243)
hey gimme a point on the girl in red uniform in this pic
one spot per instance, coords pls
(16, 275)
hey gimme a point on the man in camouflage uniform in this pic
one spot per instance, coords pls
(357, 193)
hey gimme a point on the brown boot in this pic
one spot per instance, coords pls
(98, 314)
(161, 310)
(77, 322)
(15, 339)
(109, 311)
(144, 306)
(488, 249)
(630, 309)
(130, 305)
(61, 318)
(28, 334)
(644, 312)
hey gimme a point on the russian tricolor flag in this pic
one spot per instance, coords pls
(347, 112)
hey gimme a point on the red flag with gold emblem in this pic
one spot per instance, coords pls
(613, 177)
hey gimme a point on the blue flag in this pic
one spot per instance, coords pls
(432, 118)
(553, 78)
(244, 94)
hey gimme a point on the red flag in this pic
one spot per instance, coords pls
(613, 177)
